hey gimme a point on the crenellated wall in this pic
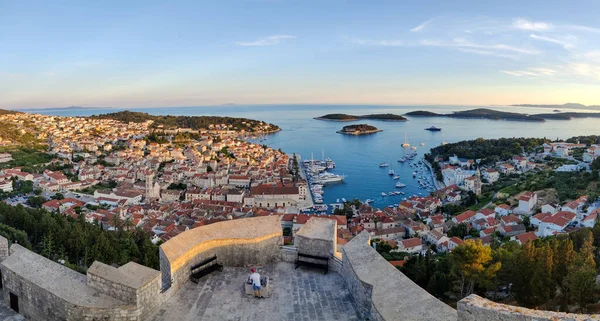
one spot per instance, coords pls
(251, 241)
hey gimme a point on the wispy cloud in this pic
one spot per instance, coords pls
(530, 72)
(265, 41)
(583, 28)
(461, 43)
(380, 43)
(564, 44)
(422, 25)
(525, 24)
(488, 53)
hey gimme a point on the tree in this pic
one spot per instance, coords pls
(58, 196)
(581, 274)
(472, 264)
(459, 230)
(595, 165)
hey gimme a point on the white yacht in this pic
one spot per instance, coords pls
(391, 172)
(400, 185)
(383, 194)
(396, 177)
(405, 144)
(384, 164)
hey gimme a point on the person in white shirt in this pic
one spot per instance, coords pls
(256, 286)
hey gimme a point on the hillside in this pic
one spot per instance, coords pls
(346, 117)
(423, 113)
(568, 115)
(494, 114)
(193, 122)
(479, 113)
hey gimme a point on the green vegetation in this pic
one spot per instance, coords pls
(385, 249)
(104, 185)
(348, 209)
(177, 186)
(74, 240)
(25, 156)
(488, 150)
(359, 129)
(346, 117)
(480, 113)
(17, 136)
(192, 122)
(550, 273)
(423, 113)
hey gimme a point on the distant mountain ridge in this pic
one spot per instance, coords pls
(567, 105)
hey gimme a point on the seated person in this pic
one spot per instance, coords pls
(254, 278)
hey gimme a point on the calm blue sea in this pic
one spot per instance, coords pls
(358, 157)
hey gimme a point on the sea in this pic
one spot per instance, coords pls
(358, 157)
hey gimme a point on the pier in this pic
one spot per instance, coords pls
(308, 202)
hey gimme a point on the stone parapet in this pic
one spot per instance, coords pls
(475, 308)
(251, 241)
(317, 237)
(382, 292)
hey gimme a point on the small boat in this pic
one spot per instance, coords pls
(414, 148)
(384, 165)
(414, 174)
(402, 159)
(433, 129)
(383, 194)
(368, 201)
(391, 193)
(422, 144)
(391, 172)
(396, 177)
(343, 200)
(400, 185)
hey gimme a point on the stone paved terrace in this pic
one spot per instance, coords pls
(7, 314)
(296, 295)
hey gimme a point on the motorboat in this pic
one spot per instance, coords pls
(422, 144)
(383, 194)
(402, 159)
(384, 165)
(343, 200)
(396, 177)
(368, 201)
(391, 172)
(400, 185)
(433, 129)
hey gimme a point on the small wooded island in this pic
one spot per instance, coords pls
(346, 117)
(484, 113)
(358, 129)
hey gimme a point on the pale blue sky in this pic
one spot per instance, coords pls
(190, 53)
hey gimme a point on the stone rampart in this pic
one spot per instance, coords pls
(251, 241)
(382, 292)
(47, 290)
(475, 308)
(3, 248)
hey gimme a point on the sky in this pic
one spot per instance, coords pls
(196, 53)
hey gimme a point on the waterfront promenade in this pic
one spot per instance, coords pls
(438, 184)
(308, 202)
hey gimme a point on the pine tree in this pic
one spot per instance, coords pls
(581, 274)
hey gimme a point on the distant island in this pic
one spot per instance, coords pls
(192, 122)
(567, 105)
(484, 113)
(479, 113)
(359, 129)
(346, 117)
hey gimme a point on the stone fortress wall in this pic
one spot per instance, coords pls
(47, 290)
